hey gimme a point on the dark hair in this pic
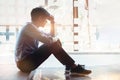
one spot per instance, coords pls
(39, 11)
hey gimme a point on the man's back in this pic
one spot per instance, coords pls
(25, 43)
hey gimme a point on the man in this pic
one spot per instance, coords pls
(29, 56)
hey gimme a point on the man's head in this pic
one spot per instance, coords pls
(39, 14)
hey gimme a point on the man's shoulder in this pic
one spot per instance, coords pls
(24, 28)
(28, 25)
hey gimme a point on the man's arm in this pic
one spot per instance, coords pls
(36, 34)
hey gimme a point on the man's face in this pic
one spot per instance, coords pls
(42, 21)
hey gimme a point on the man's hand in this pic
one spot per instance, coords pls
(51, 18)
(59, 42)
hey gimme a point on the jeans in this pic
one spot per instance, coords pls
(34, 60)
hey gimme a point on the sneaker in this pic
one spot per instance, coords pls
(80, 70)
(67, 68)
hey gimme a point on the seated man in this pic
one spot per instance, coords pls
(29, 56)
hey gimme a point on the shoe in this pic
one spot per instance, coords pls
(67, 68)
(80, 70)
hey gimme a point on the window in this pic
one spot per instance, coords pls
(97, 28)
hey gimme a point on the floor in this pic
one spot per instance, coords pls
(10, 72)
(104, 67)
(98, 73)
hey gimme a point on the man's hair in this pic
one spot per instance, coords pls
(39, 11)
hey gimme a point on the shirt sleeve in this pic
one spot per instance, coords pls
(36, 34)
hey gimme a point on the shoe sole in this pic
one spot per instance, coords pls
(79, 74)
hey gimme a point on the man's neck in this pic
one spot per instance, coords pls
(35, 23)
